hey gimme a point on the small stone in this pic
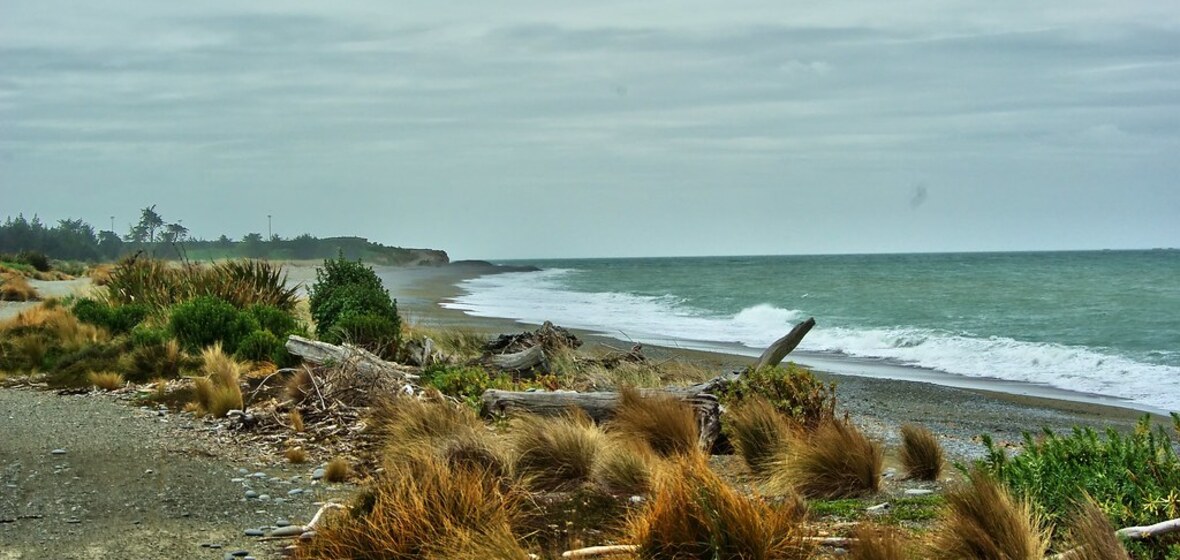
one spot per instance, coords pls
(240, 553)
(264, 497)
(237, 480)
(244, 471)
(294, 491)
(73, 520)
(58, 452)
(918, 492)
(282, 523)
(307, 536)
(317, 474)
(259, 475)
(248, 558)
(279, 501)
(215, 546)
(254, 532)
(637, 499)
(274, 480)
(149, 471)
(251, 494)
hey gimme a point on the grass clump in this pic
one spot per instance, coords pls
(160, 285)
(1134, 478)
(877, 543)
(163, 360)
(1090, 536)
(921, 454)
(219, 391)
(625, 467)
(693, 514)
(667, 424)
(337, 470)
(758, 432)
(422, 508)
(836, 461)
(792, 390)
(983, 520)
(295, 455)
(296, 419)
(16, 288)
(556, 453)
(107, 380)
(406, 422)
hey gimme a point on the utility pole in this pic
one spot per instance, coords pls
(112, 224)
(269, 233)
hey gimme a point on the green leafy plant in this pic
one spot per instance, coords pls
(116, 319)
(349, 288)
(200, 322)
(792, 390)
(1134, 478)
(376, 333)
(260, 346)
(274, 320)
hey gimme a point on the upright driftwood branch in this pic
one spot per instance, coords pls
(774, 354)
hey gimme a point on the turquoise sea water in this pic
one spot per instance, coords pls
(1105, 323)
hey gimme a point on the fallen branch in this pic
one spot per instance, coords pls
(293, 531)
(1147, 531)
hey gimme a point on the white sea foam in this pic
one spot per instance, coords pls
(534, 297)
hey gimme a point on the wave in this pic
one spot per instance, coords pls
(534, 297)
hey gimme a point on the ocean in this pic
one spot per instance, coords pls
(1099, 323)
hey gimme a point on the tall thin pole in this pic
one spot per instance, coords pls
(112, 224)
(269, 233)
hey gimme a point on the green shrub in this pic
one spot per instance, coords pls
(143, 335)
(200, 322)
(260, 346)
(1134, 479)
(38, 261)
(155, 361)
(72, 369)
(375, 333)
(118, 319)
(792, 390)
(468, 383)
(344, 288)
(274, 320)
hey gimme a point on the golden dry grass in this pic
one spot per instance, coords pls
(557, 452)
(759, 432)
(422, 508)
(16, 288)
(693, 514)
(100, 275)
(625, 467)
(477, 450)
(338, 470)
(299, 385)
(1090, 535)
(667, 424)
(877, 543)
(296, 455)
(921, 454)
(984, 521)
(106, 380)
(296, 419)
(835, 461)
(219, 391)
(56, 323)
(406, 422)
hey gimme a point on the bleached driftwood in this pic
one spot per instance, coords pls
(1147, 531)
(292, 531)
(774, 354)
(519, 361)
(618, 549)
(363, 361)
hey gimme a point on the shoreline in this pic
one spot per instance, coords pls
(959, 412)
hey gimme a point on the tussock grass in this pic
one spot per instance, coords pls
(667, 424)
(557, 452)
(100, 275)
(759, 432)
(693, 514)
(625, 467)
(408, 422)
(106, 380)
(300, 385)
(877, 543)
(219, 391)
(422, 508)
(984, 521)
(55, 323)
(836, 461)
(16, 288)
(154, 361)
(477, 451)
(1090, 535)
(338, 470)
(161, 285)
(296, 420)
(921, 454)
(296, 455)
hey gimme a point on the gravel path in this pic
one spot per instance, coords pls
(89, 477)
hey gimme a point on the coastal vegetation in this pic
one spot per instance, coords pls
(439, 476)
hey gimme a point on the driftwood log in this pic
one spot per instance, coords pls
(364, 362)
(601, 405)
(526, 359)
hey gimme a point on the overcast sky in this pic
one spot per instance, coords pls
(529, 129)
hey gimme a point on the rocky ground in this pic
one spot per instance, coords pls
(91, 476)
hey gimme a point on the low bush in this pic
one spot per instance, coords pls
(343, 288)
(556, 453)
(118, 319)
(836, 461)
(693, 514)
(143, 335)
(164, 360)
(792, 390)
(758, 432)
(376, 333)
(261, 346)
(72, 368)
(1133, 478)
(203, 321)
(39, 261)
(984, 521)
(665, 423)
(921, 454)
(274, 320)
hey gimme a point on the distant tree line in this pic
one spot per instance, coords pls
(76, 240)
